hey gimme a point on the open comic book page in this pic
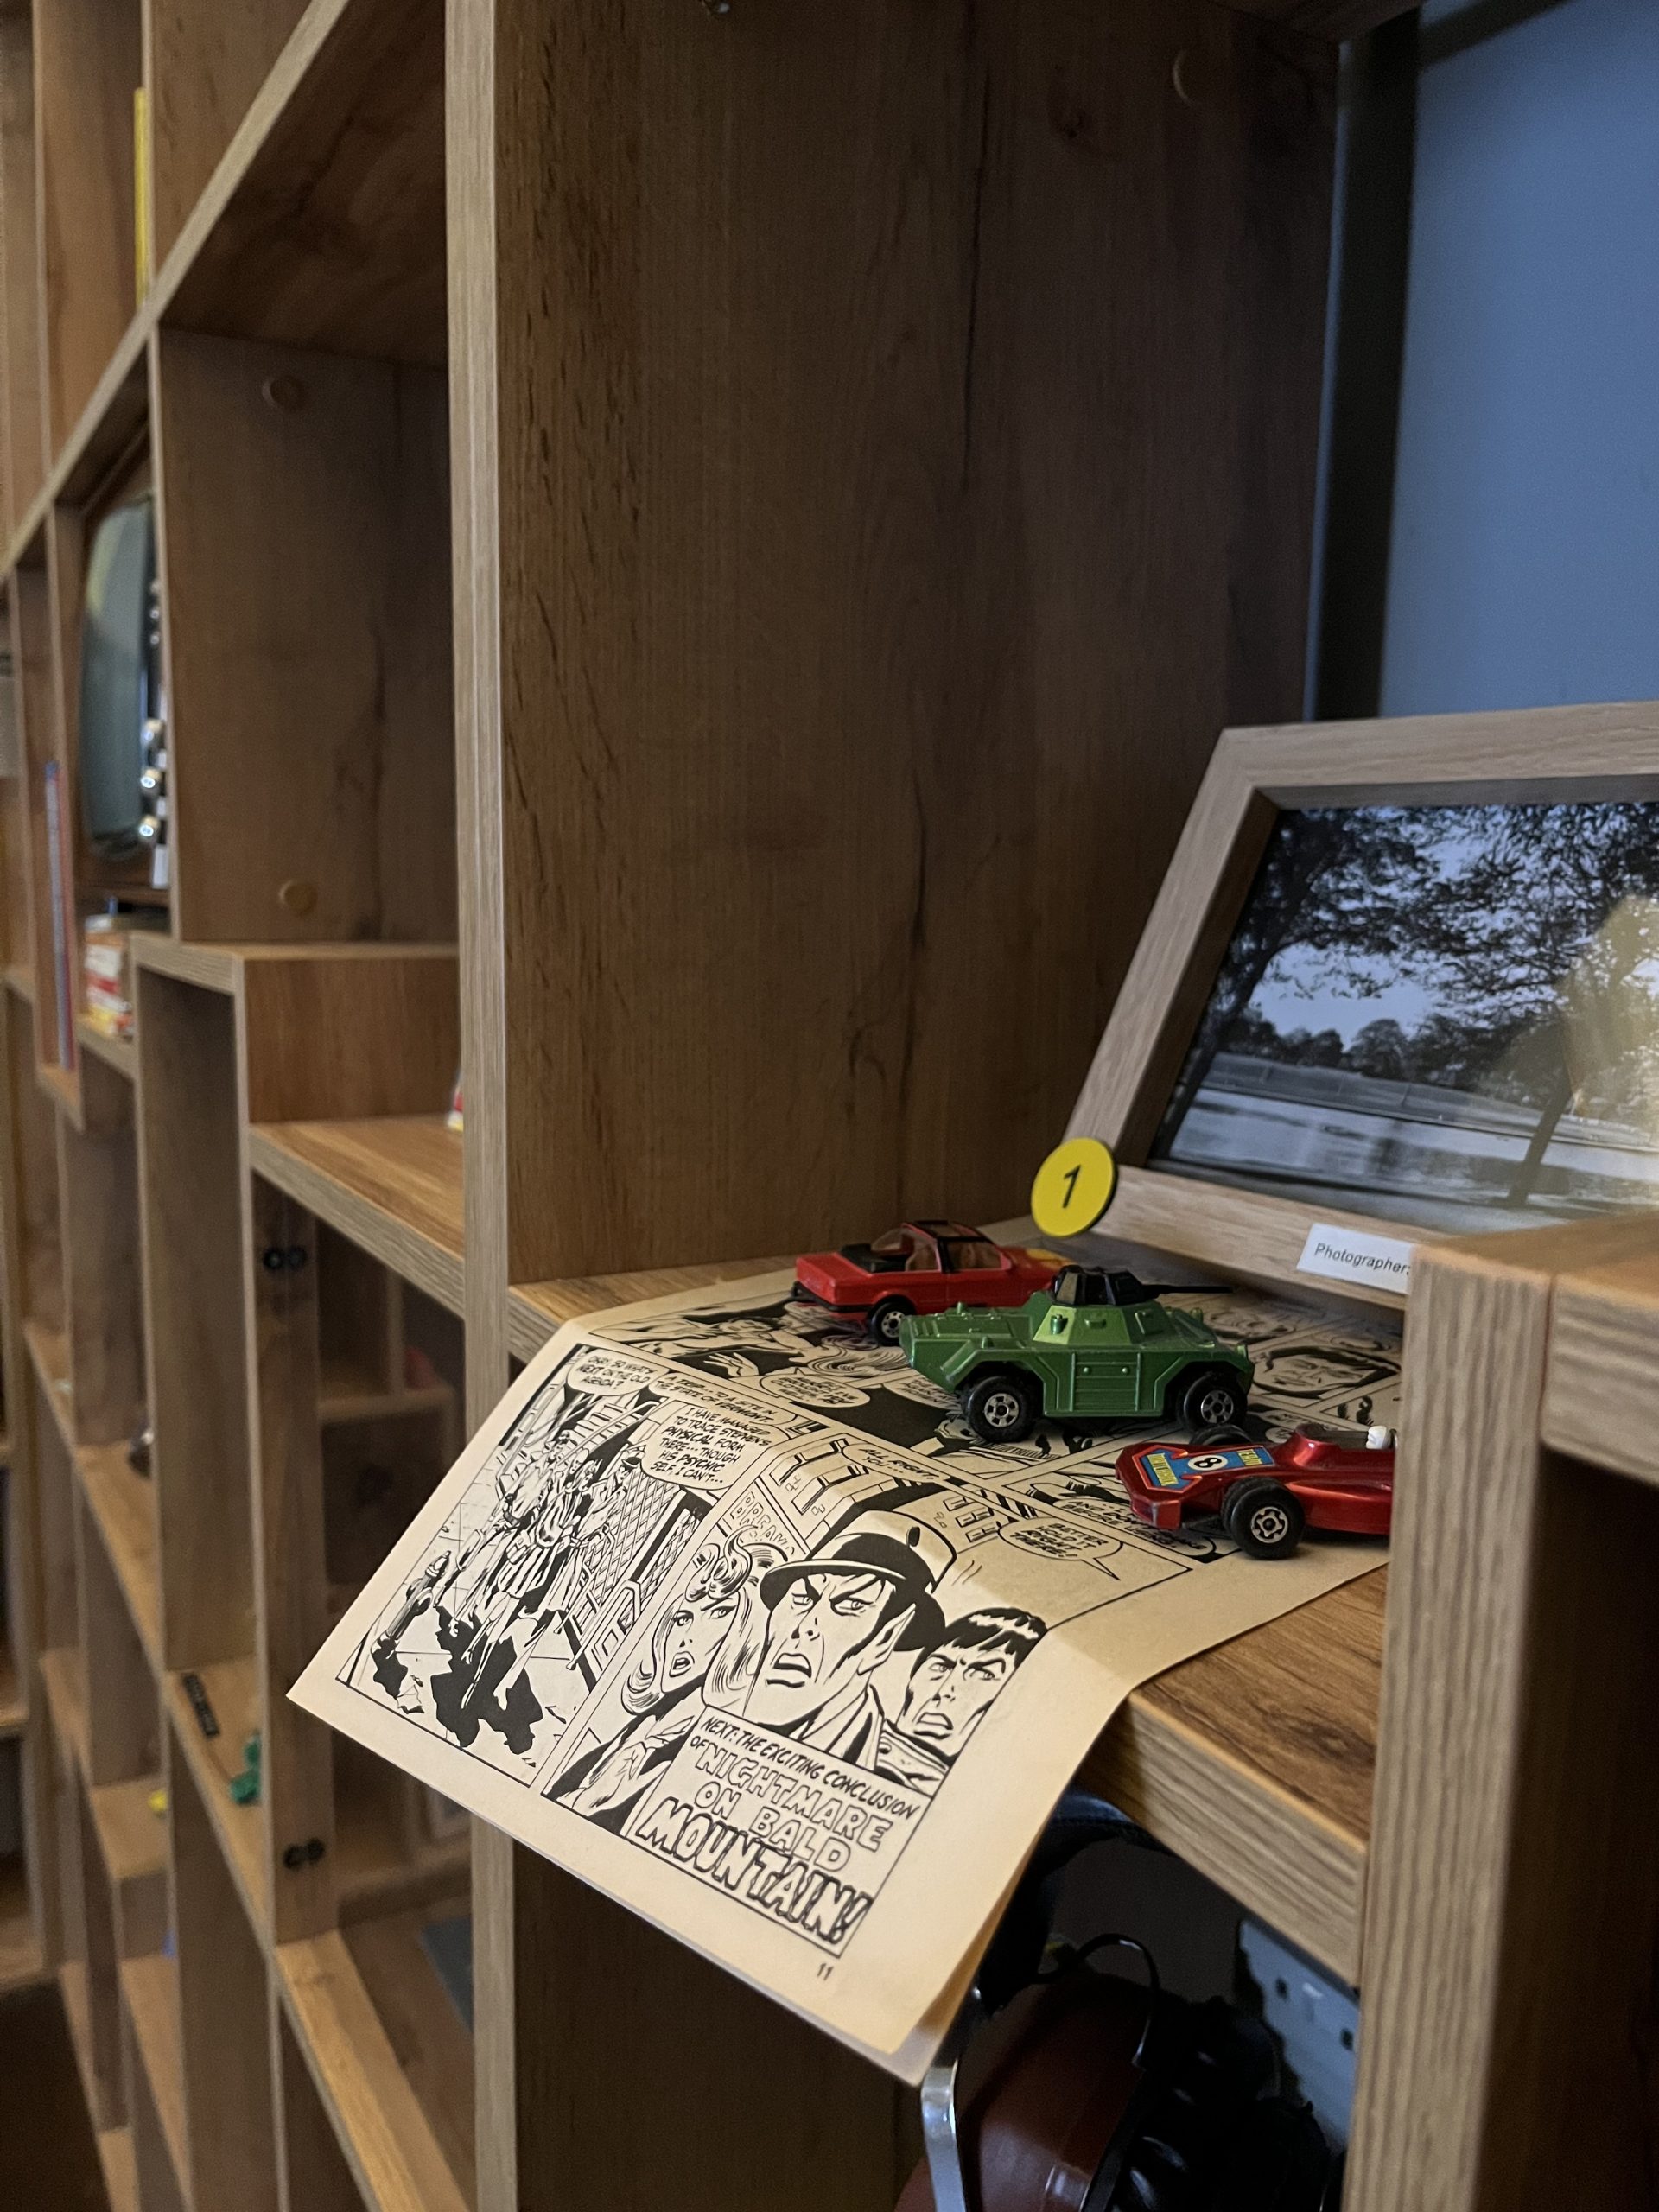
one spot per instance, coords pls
(728, 1612)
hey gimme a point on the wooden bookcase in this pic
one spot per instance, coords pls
(703, 556)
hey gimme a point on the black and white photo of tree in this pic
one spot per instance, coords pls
(1444, 1013)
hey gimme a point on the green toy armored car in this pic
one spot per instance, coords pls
(1098, 1347)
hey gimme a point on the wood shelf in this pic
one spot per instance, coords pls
(149, 1988)
(65, 1702)
(392, 1186)
(122, 1504)
(391, 2063)
(1254, 1761)
(49, 1351)
(14, 1703)
(117, 1053)
(114, 2144)
(232, 1688)
(21, 1963)
(131, 1837)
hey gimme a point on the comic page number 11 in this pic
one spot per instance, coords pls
(1074, 1187)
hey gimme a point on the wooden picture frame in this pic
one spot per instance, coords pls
(1554, 755)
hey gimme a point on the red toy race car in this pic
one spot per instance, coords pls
(923, 1267)
(1267, 1494)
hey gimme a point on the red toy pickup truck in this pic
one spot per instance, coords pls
(923, 1267)
(1267, 1494)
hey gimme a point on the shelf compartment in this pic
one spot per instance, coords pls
(223, 1998)
(114, 2143)
(21, 1962)
(391, 1185)
(385, 1859)
(88, 63)
(132, 1845)
(306, 529)
(324, 225)
(191, 1171)
(20, 325)
(232, 1691)
(40, 1232)
(209, 64)
(14, 1704)
(59, 1622)
(122, 1504)
(149, 1992)
(392, 2060)
(122, 1714)
(97, 1173)
(319, 2178)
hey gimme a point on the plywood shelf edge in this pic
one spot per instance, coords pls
(393, 2155)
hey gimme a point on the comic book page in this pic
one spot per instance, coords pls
(729, 1613)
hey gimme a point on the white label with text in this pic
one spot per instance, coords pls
(1352, 1255)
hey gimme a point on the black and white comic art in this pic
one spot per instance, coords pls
(731, 1613)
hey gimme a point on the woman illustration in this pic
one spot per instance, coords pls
(704, 1650)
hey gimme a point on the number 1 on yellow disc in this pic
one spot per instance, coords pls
(1074, 1187)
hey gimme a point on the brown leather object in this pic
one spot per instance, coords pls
(1034, 2133)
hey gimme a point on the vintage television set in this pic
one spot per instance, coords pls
(121, 752)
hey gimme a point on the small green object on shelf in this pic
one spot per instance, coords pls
(245, 1787)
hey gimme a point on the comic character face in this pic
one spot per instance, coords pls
(950, 1692)
(695, 1629)
(825, 1630)
(957, 1679)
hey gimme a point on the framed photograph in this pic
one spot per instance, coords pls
(1401, 983)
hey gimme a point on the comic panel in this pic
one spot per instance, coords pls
(1309, 1363)
(816, 1668)
(554, 1552)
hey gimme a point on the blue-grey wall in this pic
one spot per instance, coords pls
(1523, 562)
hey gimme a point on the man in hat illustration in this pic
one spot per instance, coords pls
(834, 1619)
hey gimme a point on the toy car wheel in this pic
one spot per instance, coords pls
(1001, 1409)
(884, 1320)
(1264, 1519)
(1211, 1439)
(1212, 1399)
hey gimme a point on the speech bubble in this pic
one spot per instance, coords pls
(699, 1445)
(607, 1375)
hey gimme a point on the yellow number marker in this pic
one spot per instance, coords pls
(1074, 1187)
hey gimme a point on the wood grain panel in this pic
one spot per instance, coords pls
(349, 1038)
(149, 1987)
(87, 64)
(20, 339)
(304, 517)
(842, 581)
(289, 1568)
(204, 62)
(387, 2139)
(314, 2176)
(831, 2133)
(190, 1176)
(324, 225)
(1601, 1389)
(228, 2107)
